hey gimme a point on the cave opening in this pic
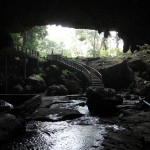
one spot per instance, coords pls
(71, 103)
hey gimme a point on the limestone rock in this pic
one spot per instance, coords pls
(35, 85)
(117, 76)
(103, 101)
(56, 90)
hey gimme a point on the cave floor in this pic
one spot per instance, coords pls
(64, 122)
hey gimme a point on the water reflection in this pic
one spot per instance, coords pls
(58, 136)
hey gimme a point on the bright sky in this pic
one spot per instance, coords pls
(61, 34)
(67, 36)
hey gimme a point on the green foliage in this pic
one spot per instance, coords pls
(145, 51)
(64, 72)
(104, 53)
(17, 37)
(54, 66)
(34, 35)
(92, 38)
(47, 47)
(38, 76)
(30, 38)
(122, 55)
(129, 52)
(74, 59)
(91, 41)
(82, 38)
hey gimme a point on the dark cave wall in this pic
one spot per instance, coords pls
(14, 71)
(129, 17)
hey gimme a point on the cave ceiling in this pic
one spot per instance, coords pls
(128, 17)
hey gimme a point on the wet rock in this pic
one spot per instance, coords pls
(59, 108)
(103, 101)
(27, 107)
(10, 126)
(123, 140)
(56, 90)
(4, 106)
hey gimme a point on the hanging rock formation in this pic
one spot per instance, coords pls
(129, 17)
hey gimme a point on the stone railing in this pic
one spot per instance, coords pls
(86, 70)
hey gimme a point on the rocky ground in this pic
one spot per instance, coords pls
(64, 122)
(116, 117)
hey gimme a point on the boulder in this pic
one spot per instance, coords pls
(35, 84)
(56, 90)
(17, 89)
(89, 91)
(10, 126)
(117, 76)
(53, 70)
(72, 86)
(103, 101)
(28, 107)
(4, 106)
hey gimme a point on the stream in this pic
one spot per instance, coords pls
(82, 133)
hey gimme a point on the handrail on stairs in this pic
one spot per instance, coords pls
(86, 70)
(71, 64)
(27, 51)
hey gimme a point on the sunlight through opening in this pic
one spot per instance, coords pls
(82, 42)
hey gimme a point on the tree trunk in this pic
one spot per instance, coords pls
(94, 45)
(24, 34)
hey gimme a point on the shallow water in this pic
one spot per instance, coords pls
(83, 133)
(59, 136)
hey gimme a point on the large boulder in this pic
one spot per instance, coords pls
(35, 84)
(72, 86)
(10, 126)
(117, 76)
(103, 101)
(52, 73)
(73, 82)
(4, 106)
(28, 107)
(56, 90)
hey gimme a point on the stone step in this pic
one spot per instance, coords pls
(96, 84)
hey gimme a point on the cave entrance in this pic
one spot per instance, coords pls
(70, 42)
(51, 39)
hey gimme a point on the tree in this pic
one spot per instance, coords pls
(30, 38)
(92, 38)
(47, 46)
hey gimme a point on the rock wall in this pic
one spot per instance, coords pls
(129, 17)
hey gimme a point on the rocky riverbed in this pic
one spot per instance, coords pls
(64, 122)
(112, 118)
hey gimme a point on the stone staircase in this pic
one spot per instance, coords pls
(95, 81)
(93, 76)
